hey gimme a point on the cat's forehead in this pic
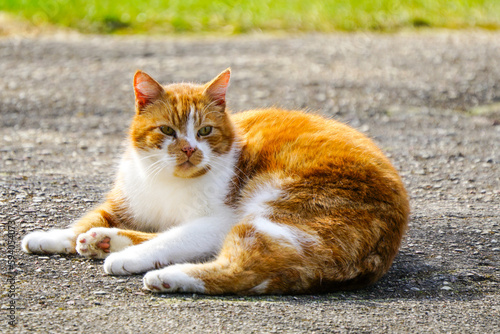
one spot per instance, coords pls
(187, 91)
(184, 102)
(185, 96)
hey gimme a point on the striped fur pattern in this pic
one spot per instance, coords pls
(266, 201)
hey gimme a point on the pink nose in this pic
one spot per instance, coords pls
(188, 150)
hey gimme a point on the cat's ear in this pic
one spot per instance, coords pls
(146, 89)
(217, 88)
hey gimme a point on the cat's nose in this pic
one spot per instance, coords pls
(188, 150)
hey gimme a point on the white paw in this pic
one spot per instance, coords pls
(54, 241)
(129, 261)
(98, 242)
(173, 279)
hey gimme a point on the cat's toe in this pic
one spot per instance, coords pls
(90, 245)
(115, 265)
(98, 242)
(152, 282)
(104, 244)
(173, 279)
(127, 262)
(49, 242)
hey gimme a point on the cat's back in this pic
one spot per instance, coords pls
(298, 141)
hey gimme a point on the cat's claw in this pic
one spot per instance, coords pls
(98, 242)
(173, 279)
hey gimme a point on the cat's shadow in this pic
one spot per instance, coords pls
(411, 277)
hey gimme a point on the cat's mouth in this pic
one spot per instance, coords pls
(186, 165)
(189, 170)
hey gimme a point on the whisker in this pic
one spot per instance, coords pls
(159, 170)
(155, 168)
(151, 156)
(231, 167)
(208, 106)
(167, 106)
(232, 170)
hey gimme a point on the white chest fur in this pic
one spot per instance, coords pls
(159, 201)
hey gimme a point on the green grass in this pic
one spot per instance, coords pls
(177, 16)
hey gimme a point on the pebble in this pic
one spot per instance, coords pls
(406, 133)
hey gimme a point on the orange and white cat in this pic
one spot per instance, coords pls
(260, 202)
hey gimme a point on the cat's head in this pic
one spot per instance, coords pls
(181, 129)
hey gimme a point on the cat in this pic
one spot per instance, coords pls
(265, 201)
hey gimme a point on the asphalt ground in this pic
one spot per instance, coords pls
(430, 99)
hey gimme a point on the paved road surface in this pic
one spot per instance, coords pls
(430, 99)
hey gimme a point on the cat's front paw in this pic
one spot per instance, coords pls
(173, 279)
(54, 241)
(128, 262)
(98, 242)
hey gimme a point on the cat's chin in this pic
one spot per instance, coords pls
(189, 170)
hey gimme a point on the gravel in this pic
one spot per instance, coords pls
(430, 99)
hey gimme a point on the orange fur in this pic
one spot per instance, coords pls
(136, 236)
(320, 207)
(338, 187)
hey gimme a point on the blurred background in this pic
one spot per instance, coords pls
(236, 17)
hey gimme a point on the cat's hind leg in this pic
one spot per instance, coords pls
(257, 258)
(98, 242)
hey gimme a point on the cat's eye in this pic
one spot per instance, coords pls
(167, 130)
(205, 131)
